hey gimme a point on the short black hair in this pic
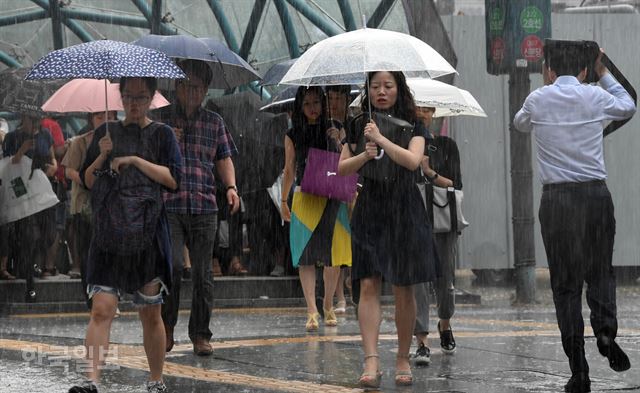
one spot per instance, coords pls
(565, 57)
(151, 83)
(198, 68)
(342, 89)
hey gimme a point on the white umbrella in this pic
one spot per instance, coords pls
(471, 108)
(448, 100)
(346, 58)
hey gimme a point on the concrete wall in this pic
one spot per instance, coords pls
(484, 143)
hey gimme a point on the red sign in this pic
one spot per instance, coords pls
(497, 50)
(531, 48)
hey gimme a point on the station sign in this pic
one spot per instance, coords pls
(515, 33)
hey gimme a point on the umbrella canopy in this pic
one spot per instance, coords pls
(229, 69)
(87, 95)
(283, 101)
(104, 59)
(346, 58)
(19, 95)
(472, 108)
(448, 100)
(235, 69)
(274, 75)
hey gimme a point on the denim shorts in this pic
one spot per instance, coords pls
(139, 299)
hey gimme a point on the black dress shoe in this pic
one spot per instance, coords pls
(579, 383)
(618, 360)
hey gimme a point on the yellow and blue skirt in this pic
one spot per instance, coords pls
(319, 231)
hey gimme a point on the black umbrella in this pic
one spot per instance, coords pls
(229, 69)
(259, 137)
(19, 95)
(276, 72)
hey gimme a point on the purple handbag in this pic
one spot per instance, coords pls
(321, 177)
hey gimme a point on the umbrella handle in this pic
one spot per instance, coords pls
(380, 155)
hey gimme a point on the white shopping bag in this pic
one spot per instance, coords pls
(20, 196)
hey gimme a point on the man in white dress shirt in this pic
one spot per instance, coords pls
(576, 211)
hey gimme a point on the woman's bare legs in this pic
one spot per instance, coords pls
(308, 281)
(369, 318)
(103, 310)
(405, 322)
(153, 333)
(340, 299)
(331, 275)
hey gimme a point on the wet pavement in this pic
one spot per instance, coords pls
(501, 348)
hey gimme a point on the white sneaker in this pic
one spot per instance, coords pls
(278, 271)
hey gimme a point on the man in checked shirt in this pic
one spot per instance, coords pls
(206, 145)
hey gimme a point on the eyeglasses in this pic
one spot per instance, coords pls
(129, 99)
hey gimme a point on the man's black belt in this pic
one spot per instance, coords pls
(561, 186)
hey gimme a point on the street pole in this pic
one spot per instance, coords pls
(521, 192)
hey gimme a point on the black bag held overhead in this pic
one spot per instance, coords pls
(396, 130)
(591, 50)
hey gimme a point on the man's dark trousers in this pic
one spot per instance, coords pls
(578, 230)
(197, 232)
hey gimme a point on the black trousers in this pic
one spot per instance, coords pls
(197, 233)
(578, 230)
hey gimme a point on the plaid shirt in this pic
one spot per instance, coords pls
(205, 140)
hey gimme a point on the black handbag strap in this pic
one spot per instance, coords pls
(451, 197)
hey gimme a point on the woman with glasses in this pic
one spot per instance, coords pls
(128, 165)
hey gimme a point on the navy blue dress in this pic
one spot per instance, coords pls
(130, 273)
(390, 232)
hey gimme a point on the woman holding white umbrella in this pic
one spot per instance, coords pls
(389, 238)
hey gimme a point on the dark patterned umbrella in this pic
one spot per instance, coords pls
(104, 59)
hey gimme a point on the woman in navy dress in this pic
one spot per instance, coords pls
(147, 150)
(390, 239)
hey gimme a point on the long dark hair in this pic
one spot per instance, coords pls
(405, 106)
(298, 118)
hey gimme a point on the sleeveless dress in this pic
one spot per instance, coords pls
(319, 230)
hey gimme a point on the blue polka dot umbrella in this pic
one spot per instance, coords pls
(104, 59)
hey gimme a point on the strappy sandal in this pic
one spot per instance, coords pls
(369, 380)
(341, 307)
(404, 377)
(330, 318)
(312, 322)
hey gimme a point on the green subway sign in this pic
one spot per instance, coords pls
(515, 32)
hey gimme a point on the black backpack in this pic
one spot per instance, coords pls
(127, 207)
